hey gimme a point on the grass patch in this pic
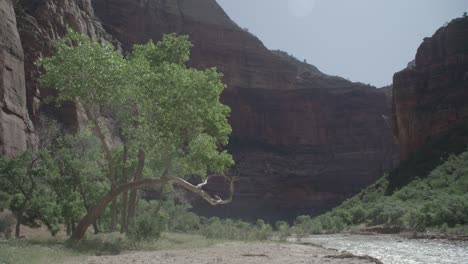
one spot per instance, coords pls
(30, 251)
(174, 241)
(49, 251)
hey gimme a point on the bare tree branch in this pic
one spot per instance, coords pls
(197, 189)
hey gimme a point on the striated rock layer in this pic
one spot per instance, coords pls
(39, 23)
(15, 128)
(431, 96)
(303, 141)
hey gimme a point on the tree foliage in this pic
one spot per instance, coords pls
(25, 179)
(168, 115)
(438, 201)
(161, 104)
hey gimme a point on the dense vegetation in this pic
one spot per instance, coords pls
(168, 122)
(165, 119)
(436, 201)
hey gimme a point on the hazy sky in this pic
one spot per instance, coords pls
(363, 40)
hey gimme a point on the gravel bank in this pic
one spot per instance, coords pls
(238, 253)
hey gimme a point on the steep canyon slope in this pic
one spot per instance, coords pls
(431, 97)
(303, 141)
(15, 126)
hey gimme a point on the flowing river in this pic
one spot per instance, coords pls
(392, 249)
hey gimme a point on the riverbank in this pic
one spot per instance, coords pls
(239, 253)
(171, 248)
(179, 248)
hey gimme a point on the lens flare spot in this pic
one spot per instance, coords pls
(301, 8)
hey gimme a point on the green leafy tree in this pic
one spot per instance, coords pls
(283, 230)
(301, 227)
(150, 222)
(24, 178)
(80, 182)
(169, 115)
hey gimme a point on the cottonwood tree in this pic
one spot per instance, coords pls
(169, 115)
(25, 178)
(80, 181)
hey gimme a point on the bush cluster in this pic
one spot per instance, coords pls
(7, 222)
(217, 228)
(438, 201)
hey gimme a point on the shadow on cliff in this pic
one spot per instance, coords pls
(422, 162)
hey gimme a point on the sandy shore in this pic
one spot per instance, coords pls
(238, 253)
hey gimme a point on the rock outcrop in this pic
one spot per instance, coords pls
(15, 128)
(39, 23)
(303, 141)
(431, 96)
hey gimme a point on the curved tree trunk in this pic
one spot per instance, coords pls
(97, 210)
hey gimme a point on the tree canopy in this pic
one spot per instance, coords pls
(168, 116)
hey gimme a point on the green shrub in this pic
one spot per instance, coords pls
(283, 230)
(102, 244)
(358, 214)
(458, 230)
(216, 228)
(331, 223)
(415, 220)
(7, 222)
(316, 227)
(184, 221)
(302, 227)
(389, 212)
(4, 200)
(262, 230)
(213, 228)
(444, 228)
(305, 225)
(149, 224)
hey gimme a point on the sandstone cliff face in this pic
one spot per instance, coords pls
(15, 127)
(303, 141)
(39, 23)
(431, 97)
(307, 150)
(217, 40)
